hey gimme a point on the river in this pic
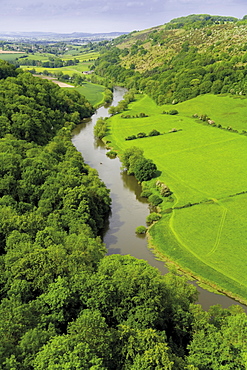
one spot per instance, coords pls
(129, 210)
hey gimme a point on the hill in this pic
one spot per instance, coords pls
(180, 60)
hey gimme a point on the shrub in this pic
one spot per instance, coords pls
(146, 193)
(100, 128)
(154, 133)
(155, 200)
(153, 217)
(141, 135)
(131, 137)
(144, 169)
(173, 112)
(141, 230)
(111, 154)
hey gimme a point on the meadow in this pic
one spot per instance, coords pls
(93, 93)
(205, 168)
(85, 62)
(10, 56)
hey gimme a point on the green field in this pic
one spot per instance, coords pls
(204, 165)
(10, 56)
(93, 93)
(70, 70)
(85, 61)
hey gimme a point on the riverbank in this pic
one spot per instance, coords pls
(129, 209)
(208, 198)
(191, 276)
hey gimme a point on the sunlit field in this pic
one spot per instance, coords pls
(205, 168)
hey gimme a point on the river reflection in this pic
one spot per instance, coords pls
(129, 210)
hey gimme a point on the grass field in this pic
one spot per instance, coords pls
(93, 92)
(10, 56)
(85, 62)
(70, 70)
(200, 164)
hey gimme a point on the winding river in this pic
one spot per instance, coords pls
(129, 210)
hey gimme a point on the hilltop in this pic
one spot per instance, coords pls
(184, 58)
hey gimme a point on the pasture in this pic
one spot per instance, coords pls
(93, 92)
(10, 56)
(204, 166)
(85, 62)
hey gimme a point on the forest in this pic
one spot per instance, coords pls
(65, 304)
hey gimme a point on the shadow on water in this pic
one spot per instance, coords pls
(129, 209)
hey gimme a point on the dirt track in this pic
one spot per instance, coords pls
(59, 83)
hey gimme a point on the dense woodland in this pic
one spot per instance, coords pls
(64, 303)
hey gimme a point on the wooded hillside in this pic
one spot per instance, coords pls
(187, 57)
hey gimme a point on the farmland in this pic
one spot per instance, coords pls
(9, 57)
(84, 62)
(205, 168)
(93, 92)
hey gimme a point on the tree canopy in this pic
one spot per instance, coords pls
(63, 303)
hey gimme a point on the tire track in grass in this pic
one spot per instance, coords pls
(219, 233)
(207, 263)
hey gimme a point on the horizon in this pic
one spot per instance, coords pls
(105, 32)
(105, 16)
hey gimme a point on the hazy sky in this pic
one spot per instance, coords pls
(106, 15)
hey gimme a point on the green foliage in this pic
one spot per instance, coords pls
(111, 154)
(108, 96)
(219, 339)
(155, 200)
(63, 304)
(135, 163)
(33, 109)
(144, 169)
(141, 230)
(172, 112)
(174, 70)
(154, 133)
(100, 128)
(153, 216)
(146, 193)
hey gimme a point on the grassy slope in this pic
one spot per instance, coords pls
(225, 38)
(199, 163)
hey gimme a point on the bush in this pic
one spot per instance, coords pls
(173, 112)
(141, 135)
(100, 128)
(144, 169)
(154, 133)
(155, 200)
(153, 217)
(141, 230)
(146, 193)
(111, 154)
(131, 137)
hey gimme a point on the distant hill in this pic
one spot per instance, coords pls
(51, 36)
(186, 57)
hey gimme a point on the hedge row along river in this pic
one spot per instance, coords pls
(129, 210)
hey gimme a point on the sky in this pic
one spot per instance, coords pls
(93, 16)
